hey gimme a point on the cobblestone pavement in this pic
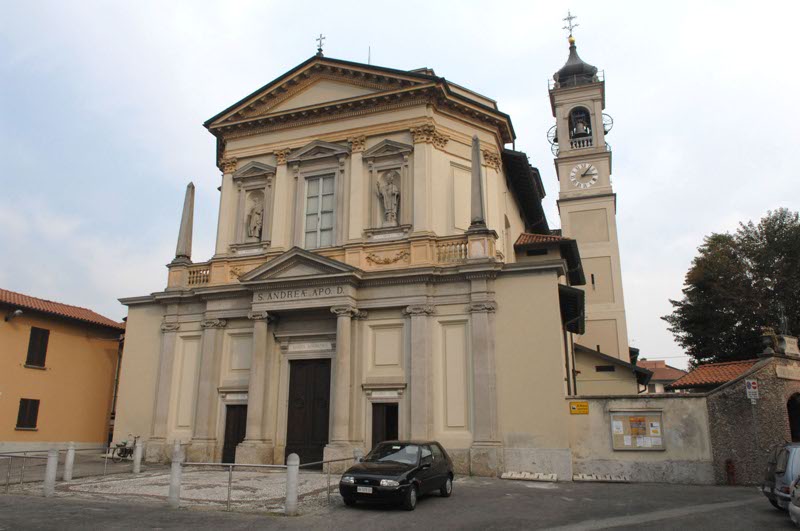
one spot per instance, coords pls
(477, 503)
(250, 491)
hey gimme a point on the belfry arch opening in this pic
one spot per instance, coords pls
(580, 123)
(793, 409)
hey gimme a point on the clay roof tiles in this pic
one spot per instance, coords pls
(713, 374)
(18, 300)
(661, 371)
(527, 239)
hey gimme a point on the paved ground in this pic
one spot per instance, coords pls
(31, 468)
(476, 504)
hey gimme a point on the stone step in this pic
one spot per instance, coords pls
(601, 478)
(529, 476)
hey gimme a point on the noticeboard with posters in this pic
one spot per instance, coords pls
(637, 430)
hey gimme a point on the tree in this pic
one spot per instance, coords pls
(738, 284)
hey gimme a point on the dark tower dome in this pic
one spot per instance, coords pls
(575, 71)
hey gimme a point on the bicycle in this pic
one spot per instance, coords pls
(124, 450)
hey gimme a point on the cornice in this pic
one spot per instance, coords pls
(371, 103)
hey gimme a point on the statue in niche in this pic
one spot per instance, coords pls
(255, 220)
(389, 193)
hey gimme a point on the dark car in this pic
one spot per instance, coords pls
(399, 472)
(783, 467)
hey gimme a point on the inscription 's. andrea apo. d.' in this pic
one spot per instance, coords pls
(301, 293)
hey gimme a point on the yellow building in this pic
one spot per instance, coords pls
(384, 268)
(58, 366)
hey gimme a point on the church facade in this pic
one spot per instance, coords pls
(384, 269)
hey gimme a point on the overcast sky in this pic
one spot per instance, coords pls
(101, 106)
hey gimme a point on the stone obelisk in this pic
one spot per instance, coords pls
(477, 216)
(183, 251)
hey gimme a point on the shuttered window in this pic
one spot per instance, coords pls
(37, 347)
(28, 413)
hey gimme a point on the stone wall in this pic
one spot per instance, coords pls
(743, 433)
(686, 457)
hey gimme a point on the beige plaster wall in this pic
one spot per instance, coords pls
(140, 359)
(685, 459)
(591, 382)
(530, 374)
(74, 389)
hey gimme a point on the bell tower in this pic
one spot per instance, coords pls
(587, 202)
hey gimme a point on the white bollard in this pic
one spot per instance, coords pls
(137, 457)
(292, 470)
(50, 473)
(174, 498)
(69, 462)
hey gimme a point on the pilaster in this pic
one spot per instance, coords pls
(281, 211)
(420, 385)
(255, 448)
(358, 187)
(227, 207)
(486, 453)
(340, 444)
(204, 439)
(157, 445)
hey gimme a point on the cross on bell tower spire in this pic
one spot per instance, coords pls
(570, 26)
(319, 44)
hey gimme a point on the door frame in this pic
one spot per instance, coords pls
(227, 397)
(287, 355)
(384, 398)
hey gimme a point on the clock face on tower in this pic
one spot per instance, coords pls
(583, 175)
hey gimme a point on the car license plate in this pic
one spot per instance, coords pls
(364, 490)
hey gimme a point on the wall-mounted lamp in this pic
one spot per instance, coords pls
(15, 313)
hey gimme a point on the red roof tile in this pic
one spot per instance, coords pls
(18, 300)
(713, 374)
(661, 371)
(527, 239)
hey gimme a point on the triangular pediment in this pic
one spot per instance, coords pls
(323, 91)
(387, 148)
(297, 264)
(254, 169)
(318, 150)
(318, 81)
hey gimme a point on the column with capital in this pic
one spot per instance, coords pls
(486, 453)
(340, 445)
(420, 391)
(157, 449)
(256, 448)
(204, 438)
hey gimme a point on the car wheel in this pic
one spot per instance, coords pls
(410, 499)
(447, 489)
(349, 501)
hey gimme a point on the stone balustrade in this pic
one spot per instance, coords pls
(408, 252)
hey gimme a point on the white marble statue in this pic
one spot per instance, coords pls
(389, 193)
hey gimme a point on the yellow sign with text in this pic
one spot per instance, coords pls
(579, 408)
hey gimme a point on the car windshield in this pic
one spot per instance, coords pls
(407, 454)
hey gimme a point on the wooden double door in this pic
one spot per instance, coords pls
(309, 408)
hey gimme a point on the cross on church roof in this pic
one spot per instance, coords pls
(570, 26)
(319, 43)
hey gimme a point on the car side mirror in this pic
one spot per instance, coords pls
(426, 462)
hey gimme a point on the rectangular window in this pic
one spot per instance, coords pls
(37, 347)
(604, 368)
(319, 212)
(28, 414)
